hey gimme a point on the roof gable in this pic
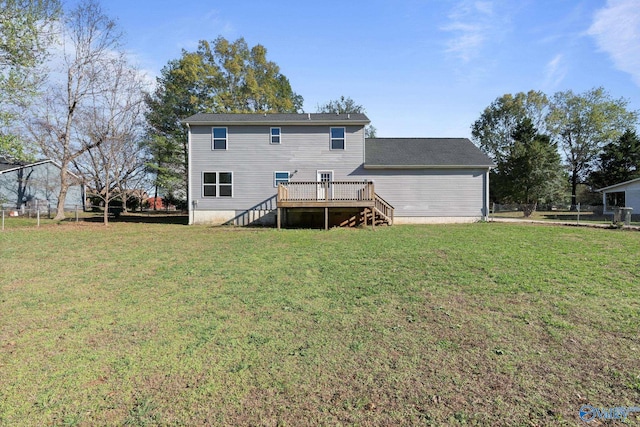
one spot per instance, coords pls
(621, 184)
(10, 167)
(6, 164)
(418, 153)
(278, 119)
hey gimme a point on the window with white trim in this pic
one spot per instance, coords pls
(274, 135)
(219, 139)
(280, 177)
(217, 184)
(337, 138)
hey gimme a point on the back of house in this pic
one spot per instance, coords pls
(238, 161)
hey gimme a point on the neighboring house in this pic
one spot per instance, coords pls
(154, 203)
(319, 168)
(24, 183)
(624, 194)
(157, 203)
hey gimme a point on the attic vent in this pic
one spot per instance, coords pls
(308, 116)
(348, 116)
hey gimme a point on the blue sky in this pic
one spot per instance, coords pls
(424, 68)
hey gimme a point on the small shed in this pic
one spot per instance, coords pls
(624, 194)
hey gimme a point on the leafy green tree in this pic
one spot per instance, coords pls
(345, 106)
(582, 124)
(618, 162)
(531, 170)
(25, 35)
(219, 77)
(341, 106)
(493, 131)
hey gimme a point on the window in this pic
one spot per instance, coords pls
(219, 141)
(217, 184)
(280, 178)
(615, 199)
(337, 139)
(274, 136)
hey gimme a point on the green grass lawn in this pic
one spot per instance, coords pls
(166, 324)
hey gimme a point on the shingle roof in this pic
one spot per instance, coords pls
(277, 119)
(410, 153)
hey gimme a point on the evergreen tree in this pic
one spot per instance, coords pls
(618, 162)
(530, 172)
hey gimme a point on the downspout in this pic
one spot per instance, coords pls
(192, 213)
(486, 195)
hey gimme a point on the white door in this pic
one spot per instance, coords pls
(324, 186)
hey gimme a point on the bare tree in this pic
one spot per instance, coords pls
(111, 131)
(90, 47)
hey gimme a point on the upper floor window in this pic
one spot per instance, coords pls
(337, 139)
(217, 184)
(280, 178)
(219, 141)
(274, 136)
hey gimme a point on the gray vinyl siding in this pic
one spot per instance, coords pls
(431, 192)
(253, 159)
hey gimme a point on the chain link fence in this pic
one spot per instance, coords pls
(33, 213)
(592, 209)
(562, 213)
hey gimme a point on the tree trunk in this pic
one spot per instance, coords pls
(62, 196)
(529, 208)
(574, 190)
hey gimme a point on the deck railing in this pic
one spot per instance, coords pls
(384, 208)
(326, 190)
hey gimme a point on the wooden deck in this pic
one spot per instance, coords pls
(334, 194)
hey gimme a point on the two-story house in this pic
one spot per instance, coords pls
(319, 169)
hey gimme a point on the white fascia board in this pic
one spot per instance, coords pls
(408, 167)
(41, 162)
(280, 123)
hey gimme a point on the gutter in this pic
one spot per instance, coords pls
(277, 122)
(409, 167)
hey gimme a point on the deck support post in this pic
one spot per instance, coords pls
(326, 218)
(373, 219)
(278, 217)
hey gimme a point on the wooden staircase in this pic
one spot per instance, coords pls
(381, 214)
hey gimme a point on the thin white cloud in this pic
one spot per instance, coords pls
(616, 29)
(472, 24)
(555, 72)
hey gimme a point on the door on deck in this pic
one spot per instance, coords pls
(324, 184)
